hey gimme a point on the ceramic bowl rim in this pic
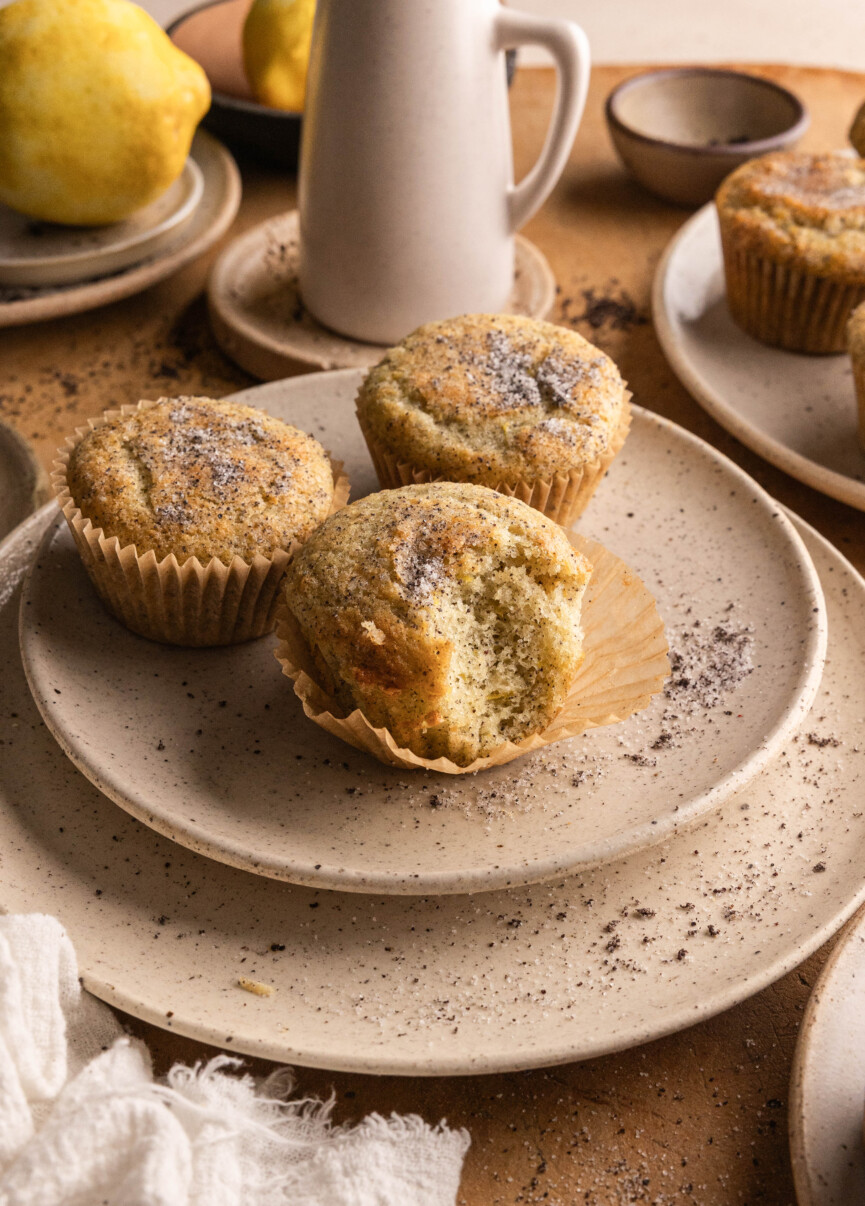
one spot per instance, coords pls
(225, 99)
(748, 149)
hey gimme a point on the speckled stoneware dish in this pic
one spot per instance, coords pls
(453, 984)
(827, 1089)
(212, 748)
(208, 222)
(42, 253)
(24, 484)
(799, 412)
(260, 321)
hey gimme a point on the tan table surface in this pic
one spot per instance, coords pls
(699, 1117)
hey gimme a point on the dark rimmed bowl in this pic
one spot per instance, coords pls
(212, 35)
(681, 130)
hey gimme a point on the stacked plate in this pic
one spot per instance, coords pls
(264, 887)
(48, 270)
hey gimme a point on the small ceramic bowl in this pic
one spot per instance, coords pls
(212, 34)
(680, 131)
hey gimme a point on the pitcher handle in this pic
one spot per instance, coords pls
(569, 47)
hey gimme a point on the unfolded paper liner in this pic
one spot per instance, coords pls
(178, 603)
(624, 664)
(859, 382)
(562, 498)
(785, 306)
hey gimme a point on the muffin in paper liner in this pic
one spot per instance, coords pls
(562, 498)
(784, 305)
(178, 603)
(625, 663)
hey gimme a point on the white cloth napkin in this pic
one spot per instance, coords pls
(82, 1121)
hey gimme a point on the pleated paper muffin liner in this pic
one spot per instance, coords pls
(784, 305)
(624, 664)
(859, 382)
(178, 603)
(562, 498)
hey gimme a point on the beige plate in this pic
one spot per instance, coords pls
(454, 984)
(799, 412)
(209, 221)
(827, 1091)
(211, 747)
(41, 253)
(24, 484)
(260, 321)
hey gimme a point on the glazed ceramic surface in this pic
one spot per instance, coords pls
(454, 984)
(799, 412)
(827, 1092)
(406, 197)
(260, 321)
(41, 253)
(211, 747)
(24, 485)
(209, 220)
(680, 131)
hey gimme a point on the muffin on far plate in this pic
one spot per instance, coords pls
(793, 237)
(856, 348)
(448, 614)
(527, 408)
(186, 511)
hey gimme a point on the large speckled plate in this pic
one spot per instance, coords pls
(451, 984)
(799, 412)
(211, 747)
(827, 1090)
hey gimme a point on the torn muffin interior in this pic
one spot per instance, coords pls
(448, 614)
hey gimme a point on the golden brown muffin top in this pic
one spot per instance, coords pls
(494, 399)
(447, 613)
(795, 205)
(201, 478)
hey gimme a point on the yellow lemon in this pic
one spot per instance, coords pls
(276, 38)
(97, 109)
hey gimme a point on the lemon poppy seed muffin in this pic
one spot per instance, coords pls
(522, 406)
(186, 510)
(447, 613)
(201, 478)
(793, 236)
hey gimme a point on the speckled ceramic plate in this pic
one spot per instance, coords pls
(451, 984)
(799, 412)
(208, 222)
(24, 484)
(827, 1092)
(42, 253)
(211, 747)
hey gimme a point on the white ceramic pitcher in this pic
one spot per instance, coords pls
(407, 203)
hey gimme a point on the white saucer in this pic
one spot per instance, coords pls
(41, 253)
(827, 1089)
(208, 222)
(260, 321)
(212, 749)
(455, 984)
(799, 412)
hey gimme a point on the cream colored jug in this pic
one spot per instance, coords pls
(407, 203)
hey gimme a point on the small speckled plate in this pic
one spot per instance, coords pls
(211, 747)
(42, 253)
(452, 984)
(797, 411)
(827, 1091)
(24, 484)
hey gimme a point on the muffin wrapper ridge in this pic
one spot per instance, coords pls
(178, 603)
(562, 498)
(859, 382)
(784, 306)
(625, 664)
